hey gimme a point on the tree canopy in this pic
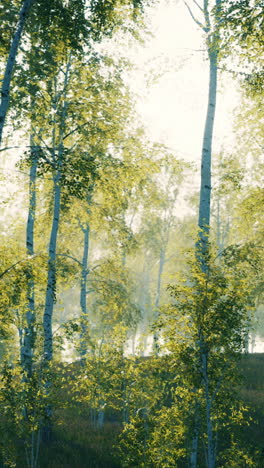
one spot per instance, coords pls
(129, 301)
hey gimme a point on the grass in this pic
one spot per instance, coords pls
(77, 444)
(81, 446)
(252, 393)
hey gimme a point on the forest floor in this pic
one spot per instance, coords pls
(76, 444)
(252, 393)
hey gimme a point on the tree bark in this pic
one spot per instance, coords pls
(83, 290)
(58, 161)
(29, 332)
(195, 438)
(157, 299)
(205, 187)
(46, 432)
(145, 303)
(209, 417)
(51, 283)
(5, 91)
(202, 245)
(218, 227)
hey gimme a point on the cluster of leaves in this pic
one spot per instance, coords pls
(23, 406)
(79, 110)
(203, 332)
(108, 16)
(242, 37)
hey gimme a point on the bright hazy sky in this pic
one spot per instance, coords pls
(174, 107)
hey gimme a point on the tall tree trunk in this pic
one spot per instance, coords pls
(83, 289)
(205, 208)
(101, 416)
(49, 302)
(157, 299)
(253, 342)
(195, 437)
(58, 161)
(205, 187)
(209, 416)
(29, 332)
(51, 283)
(145, 303)
(218, 227)
(202, 246)
(5, 91)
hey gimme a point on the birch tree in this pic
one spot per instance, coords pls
(28, 338)
(210, 26)
(201, 395)
(12, 55)
(50, 17)
(241, 37)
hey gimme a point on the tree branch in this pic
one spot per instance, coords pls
(197, 4)
(81, 226)
(206, 17)
(9, 147)
(66, 80)
(72, 258)
(75, 130)
(195, 19)
(15, 264)
(45, 146)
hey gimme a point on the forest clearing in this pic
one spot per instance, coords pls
(132, 227)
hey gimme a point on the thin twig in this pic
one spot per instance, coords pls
(72, 258)
(197, 4)
(14, 265)
(194, 18)
(75, 130)
(206, 17)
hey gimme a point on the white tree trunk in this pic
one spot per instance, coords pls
(211, 455)
(157, 299)
(202, 246)
(51, 283)
(195, 439)
(205, 188)
(83, 289)
(5, 91)
(145, 303)
(52, 250)
(29, 332)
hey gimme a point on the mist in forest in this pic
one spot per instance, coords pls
(131, 196)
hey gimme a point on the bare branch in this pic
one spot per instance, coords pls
(206, 17)
(195, 19)
(31, 147)
(10, 147)
(72, 258)
(96, 266)
(15, 264)
(81, 226)
(66, 80)
(75, 130)
(10, 268)
(73, 146)
(197, 4)
(45, 145)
